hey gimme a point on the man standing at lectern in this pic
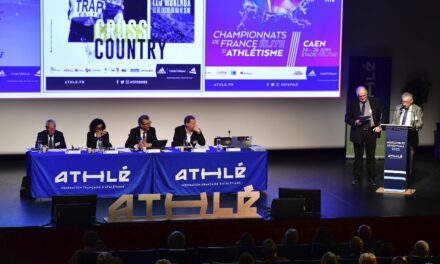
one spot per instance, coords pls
(409, 114)
(364, 115)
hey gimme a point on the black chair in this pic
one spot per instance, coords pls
(278, 262)
(320, 249)
(348, 261)
(87, 257)
(383, 260)
(422, 260)
(178, 256)
(256, 251)
(340, 249)
(136, 256)
(374, 246)
(300, 261)
(302, 251)
(217, 254)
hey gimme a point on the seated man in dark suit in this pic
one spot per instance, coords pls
(189, 133)
(142, 135)
(51, 137)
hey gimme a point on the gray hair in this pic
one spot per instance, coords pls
(420, 249)
(361, 88)
(407, 95)
(50, 121)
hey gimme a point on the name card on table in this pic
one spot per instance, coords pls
(233, 149)
(199, 150)
(73, 151)
(111, 151)
(152, 151)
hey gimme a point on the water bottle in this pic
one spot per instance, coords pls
(218, 142)
(99, 144)
(40, 145)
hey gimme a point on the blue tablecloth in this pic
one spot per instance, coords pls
(112, 175)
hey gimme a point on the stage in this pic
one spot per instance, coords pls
(24, 233)
(327, 170)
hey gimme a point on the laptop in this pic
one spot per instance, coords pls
(159, 144)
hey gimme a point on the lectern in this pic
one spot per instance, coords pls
(396, 156)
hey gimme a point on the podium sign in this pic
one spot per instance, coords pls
(395, 164)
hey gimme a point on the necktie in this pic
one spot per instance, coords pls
(363, 109)
(144, 136)
(50, 141)
(404, 117)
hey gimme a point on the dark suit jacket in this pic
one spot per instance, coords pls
(58, 141)
(180, 137)
(135, 136)
(91, 140)
(353, 113)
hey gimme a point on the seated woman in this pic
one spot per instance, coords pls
(96, 132)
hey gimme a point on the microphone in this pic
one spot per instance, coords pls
(229, 133)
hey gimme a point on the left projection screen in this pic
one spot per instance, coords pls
(170, 48)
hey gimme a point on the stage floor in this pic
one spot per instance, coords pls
(327, 170)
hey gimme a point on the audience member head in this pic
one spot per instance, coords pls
(246, 240)
(51, 126)
(176, 240)
(91, 240)
(269, 248)
(387, 250)
(144, 122)
(97, 124)
(246, 258)
(163, 261)
(420, 249)
(365, 232)
(290, 237)
(356, 245)
(329, 258)
(399, 260)
(367, 258)
(322, 236)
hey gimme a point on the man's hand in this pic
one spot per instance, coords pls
(197, 129)
(377, 129)
(143, 144)
(358, 122)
